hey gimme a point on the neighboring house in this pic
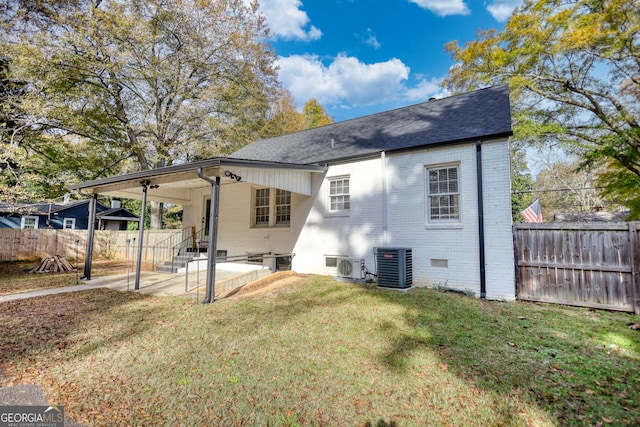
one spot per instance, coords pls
(432, 177)
(73, 216)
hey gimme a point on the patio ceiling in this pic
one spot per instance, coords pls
(174, 184)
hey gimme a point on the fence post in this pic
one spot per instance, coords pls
(635, 266)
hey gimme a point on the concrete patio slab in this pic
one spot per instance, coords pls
(160, 284)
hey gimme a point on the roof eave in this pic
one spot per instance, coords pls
(207, 165)
(376, 153)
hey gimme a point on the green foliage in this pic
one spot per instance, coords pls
(173, 216)
(138, 84)
(569, 187)
(572, 67)
(521, 183)
(286, 119)
(315, 115)
(621, 187)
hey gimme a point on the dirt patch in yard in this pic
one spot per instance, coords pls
(267, 286)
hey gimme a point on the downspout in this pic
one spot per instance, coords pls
(91, 229)
(385, 221)
(212, 249)
(143, 209)
(483, 278)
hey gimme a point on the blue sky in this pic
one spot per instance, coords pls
(358, 57)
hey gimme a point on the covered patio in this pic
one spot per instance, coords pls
(184, 185)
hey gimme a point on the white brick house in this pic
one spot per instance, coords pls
(433, 177)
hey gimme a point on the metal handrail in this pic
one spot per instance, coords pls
(171, 246)
(186, 243)
(165, 246)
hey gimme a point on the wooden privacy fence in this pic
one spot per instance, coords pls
(17, 244)
(589, 265)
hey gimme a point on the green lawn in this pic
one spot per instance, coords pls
(325, 353)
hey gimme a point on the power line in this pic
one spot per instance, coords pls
(551, 191)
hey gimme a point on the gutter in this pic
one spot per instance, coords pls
(385, 221)
(481, 248)
(216, 162)
(210, 292)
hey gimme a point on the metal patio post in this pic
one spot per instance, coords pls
(91, 230)
(143, 209)
(210, 292)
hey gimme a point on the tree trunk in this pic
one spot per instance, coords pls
(157, 210)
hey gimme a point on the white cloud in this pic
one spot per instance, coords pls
(444, 7)
(344, 80)
(347, 82)
(372, 40)
(426, 89)
(287, 21)
(502, 9)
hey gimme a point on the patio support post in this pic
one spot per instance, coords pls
(210, 292)
(143, 208)
(91, 231)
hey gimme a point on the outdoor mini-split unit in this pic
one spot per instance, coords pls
(351, 268)
(395, 268)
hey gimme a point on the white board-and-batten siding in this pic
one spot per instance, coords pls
(296, 181)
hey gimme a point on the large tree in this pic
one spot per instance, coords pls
(564, 187)
(151, 82)
(284, 117)
(573, 67)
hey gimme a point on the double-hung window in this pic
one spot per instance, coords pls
(29, 222)
(271, 207)
(69, 223)
(443, 194)
(262, 204)
(339, 196)
(283, 207)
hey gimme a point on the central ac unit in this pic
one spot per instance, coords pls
(351, 268)
(395, 267)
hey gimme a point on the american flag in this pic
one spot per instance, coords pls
(533, 213)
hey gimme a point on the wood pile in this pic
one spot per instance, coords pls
(54, 264)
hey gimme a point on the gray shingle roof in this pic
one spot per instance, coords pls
(481, 114)
(38, 208)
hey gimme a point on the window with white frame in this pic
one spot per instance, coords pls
(330, 261)
(443, 194)
(29, 222)
(271, 207)
(69, 224)
(339, 196)
(331, 264)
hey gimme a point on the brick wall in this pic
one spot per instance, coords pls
(443, 255)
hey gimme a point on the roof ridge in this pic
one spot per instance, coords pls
(457, 118)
